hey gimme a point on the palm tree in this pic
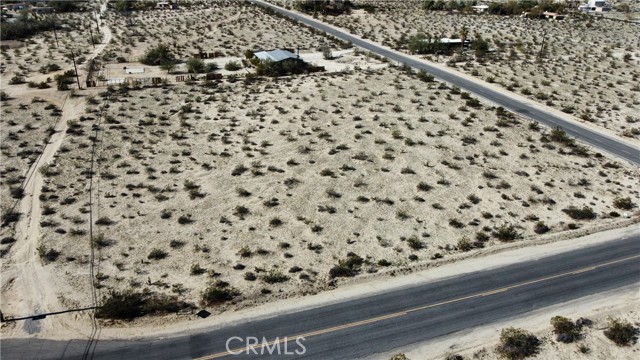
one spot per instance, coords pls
(464, 32)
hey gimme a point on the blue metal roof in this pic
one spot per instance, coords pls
(275, 55)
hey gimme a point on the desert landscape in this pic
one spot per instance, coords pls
(588, 67)
(241, 190)
(289, 183)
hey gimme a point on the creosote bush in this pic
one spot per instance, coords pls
(506, 232)
(621, 332)
(129, 305)
(566, 330)
(517, 344)
(218, 293)
(347, 267)
(623, 203)
(576, 213)
(157, 254)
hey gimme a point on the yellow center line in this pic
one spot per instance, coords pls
(402, 313)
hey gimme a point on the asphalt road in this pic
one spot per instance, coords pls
(376, 324)
(586, 135)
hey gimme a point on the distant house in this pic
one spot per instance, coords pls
(595, 5)
(480, 8)
(450, 43)
(163, 5)
(277, 55)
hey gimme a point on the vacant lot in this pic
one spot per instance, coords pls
(589, 66)
(276, 187)
(227, 27)
(25, 126)
(39, 58)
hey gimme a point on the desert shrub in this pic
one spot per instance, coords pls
(281, 68)
(464, 244)
(326, 53)
(185, 219)
(49, 255)
(26, 27)
(158, 55)
(274, 277)
(384, 262)
(241, 212)
(232, 66)
(101, 242)
(275, 222)
(560, 136)
(415, 243)
(196, 269)
(481, 236)
(423, 186)
(425, 76)
(218, 293)
(245, 252)
(623, 203)
(541, 228)
(104, 221)
(157, 254)
(517, 344)
(456, 223)
(426, 44)
(129, 305)
(195, 65)
(566, 330)
(506, 232)
(7, 240)
(347, 267)
(576, 213)
(621, 332)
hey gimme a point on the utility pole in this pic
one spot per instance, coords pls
(73, 57)
(97, 21)
(55, 32)
(91, 33)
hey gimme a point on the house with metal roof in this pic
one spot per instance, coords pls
(276, 55)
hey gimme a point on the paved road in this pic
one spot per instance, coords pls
(399, 318)
(586, 135)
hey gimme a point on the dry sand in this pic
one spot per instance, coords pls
(336, 158)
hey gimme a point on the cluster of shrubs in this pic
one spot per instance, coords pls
(326, 7)
(129, 305)
(348, 267)
(510, 7)
(26, 27)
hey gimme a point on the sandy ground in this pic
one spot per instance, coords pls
(26, 287)
(31, 58)
(229, 27)
(344, 139)
(583, 72)
(480, 343)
